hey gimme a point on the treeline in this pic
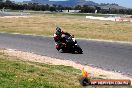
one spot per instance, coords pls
(32, 6)
(92, 9)
(58, 8)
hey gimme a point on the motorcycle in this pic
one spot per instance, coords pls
(70, 45)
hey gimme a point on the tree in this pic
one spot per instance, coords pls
(1, 0)
(87, 9)
(8, 2)
(60, 8)
(98, 9)
(47, 7)
(129, 11)
(78, 7)
(52, 9)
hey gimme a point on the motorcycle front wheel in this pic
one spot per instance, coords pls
(78, 50)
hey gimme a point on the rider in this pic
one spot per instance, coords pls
(58, 38)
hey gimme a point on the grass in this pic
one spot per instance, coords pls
(19, 74)
(15, 73)
(45, 24)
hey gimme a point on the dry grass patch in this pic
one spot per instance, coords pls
(45, 24)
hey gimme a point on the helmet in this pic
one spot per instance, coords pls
(58, 31)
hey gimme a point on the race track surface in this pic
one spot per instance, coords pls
(108, 55)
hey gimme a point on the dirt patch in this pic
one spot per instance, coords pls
(94, 72)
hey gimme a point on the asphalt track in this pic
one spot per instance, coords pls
(108, 55)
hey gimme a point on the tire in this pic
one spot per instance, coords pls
(79, 50)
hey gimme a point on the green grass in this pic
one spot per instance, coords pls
(19, 74)
(15, 73)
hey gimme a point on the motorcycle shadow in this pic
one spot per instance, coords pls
(70, 52)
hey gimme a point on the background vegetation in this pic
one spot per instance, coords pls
(58, 8)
